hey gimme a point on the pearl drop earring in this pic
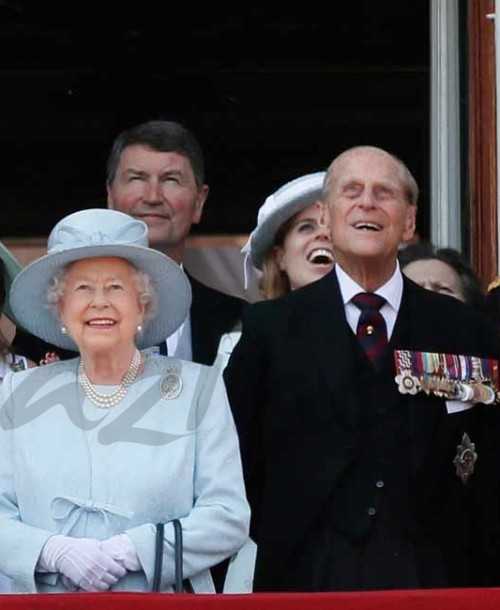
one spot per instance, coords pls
(64, 330)
(139, 328)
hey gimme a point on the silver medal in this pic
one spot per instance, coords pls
(407, 383)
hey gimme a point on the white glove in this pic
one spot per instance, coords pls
(122, 549)
(82, 561)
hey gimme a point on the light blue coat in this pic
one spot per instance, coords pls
(67, 466)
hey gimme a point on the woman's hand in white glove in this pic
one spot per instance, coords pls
(82, 561)
(122, 549)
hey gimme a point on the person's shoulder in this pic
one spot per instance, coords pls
(290, 299)
(42, 374)
(159, 364)
(195, 376)
(263, 309)
(436, 299)
(311, 292)
(444, 309)
(210, 295)
(55, 368)
(271, 313)
(36, 349)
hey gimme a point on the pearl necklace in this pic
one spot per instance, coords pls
(106, 401)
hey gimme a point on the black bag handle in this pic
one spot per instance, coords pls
(158, 557)
(179, 586)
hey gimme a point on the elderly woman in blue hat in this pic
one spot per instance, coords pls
(96, 450)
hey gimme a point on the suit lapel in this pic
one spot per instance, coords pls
(328, 341)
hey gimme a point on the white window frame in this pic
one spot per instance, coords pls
(445, 169)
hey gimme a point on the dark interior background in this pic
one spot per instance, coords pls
(271, 93)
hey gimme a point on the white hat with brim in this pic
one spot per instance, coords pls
(96, 233)
(288, 200)
(11, 267)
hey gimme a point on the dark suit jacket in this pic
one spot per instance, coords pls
(213, 313)
(291, 384)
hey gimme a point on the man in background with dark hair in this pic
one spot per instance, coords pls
(155, 172)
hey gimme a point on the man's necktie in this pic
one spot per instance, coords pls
(371, 330)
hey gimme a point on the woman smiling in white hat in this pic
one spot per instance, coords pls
(291, 245)
(96, 450)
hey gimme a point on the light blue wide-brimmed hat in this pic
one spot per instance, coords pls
(11, 267)
(96, 233)
(288, 200)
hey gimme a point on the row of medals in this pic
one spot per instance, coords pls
(453, 389)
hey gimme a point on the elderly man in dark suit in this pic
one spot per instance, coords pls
(358, 415)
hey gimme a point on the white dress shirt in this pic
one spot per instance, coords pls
(392, 291)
